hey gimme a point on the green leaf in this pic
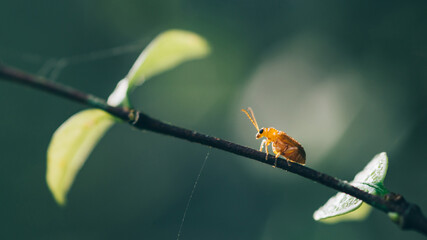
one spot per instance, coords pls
(375, 172)
(358, 214)
(165, 52)
(343, 207)
(70, 145)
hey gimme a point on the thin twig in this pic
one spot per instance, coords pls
(409, 216)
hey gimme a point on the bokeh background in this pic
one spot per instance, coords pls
(345, 78)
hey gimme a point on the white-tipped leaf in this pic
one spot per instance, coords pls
(374, 173)
(343, 207)
(338, 207)
(120, 94)
(358, 214)
(70, 146)
(166, 51)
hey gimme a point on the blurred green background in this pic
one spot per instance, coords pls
(345, 78)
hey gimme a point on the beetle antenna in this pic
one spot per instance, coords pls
(253, 120)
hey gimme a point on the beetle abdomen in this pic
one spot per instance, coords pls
(290, 148)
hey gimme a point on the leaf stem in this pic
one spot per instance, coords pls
(409, 215)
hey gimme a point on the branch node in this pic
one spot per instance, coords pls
(133, 116)
(410, 216)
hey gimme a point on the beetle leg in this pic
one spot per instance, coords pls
(290, 150)
(287, 161)
(262, 145)
(275, 161)
(266, 149)
(278, 153)
(266, 143)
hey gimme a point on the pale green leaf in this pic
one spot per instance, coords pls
(358, 214)
(338, 206)
(165, 52)
(70, 145)
(375, 172)
(343, 207)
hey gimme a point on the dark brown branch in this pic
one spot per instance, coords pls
(408, 215)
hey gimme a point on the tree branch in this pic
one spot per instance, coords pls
(405, 214)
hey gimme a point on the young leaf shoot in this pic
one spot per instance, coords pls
(343, 207)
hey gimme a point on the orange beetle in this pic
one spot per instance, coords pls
(282, 143)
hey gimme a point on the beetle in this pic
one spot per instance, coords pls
(282, 143)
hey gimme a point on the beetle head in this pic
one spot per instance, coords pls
(260, 133)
